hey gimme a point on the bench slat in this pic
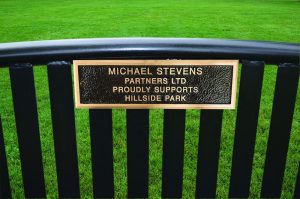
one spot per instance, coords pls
(173, 149)
(280, 129)
(246, 125)
(5, 191)
(138, 153)
(63, 122)
(208, 153)
(102, 152)
(24, 100)
(297, 186)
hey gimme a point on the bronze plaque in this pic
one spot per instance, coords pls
(164, 84)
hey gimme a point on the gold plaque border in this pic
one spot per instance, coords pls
(235, 64)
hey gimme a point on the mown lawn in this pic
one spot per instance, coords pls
(252, 20)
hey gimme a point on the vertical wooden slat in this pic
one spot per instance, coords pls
(208, 153)
(246, 125)
(5, 191)
(173, 150)
(102, 153)
(63, 122)
(297, 186)
(280, 129)
(24, 99)
(138, 153)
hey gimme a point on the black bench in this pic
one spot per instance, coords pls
(21, 57)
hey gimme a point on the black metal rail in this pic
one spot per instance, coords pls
(42, 52)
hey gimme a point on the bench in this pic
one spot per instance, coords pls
(58, 55)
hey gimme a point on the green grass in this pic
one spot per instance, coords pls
(252, 20)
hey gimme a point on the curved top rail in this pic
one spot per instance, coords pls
(41, 52)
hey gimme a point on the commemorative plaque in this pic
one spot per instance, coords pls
(165, 84)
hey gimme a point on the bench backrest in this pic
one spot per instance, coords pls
(20, 58)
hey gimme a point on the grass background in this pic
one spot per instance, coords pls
(235, 19)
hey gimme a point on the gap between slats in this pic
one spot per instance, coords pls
(297, 185)
(5, 190)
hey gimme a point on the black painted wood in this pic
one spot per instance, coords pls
(138, 153)
(63, 122)
(297, 186)
(173, 150)
(246, 125)
(41, 52)
(24, 100)
(102, 152)
(5, 190)
(280, 128)
(208, 153)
